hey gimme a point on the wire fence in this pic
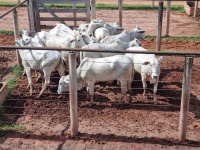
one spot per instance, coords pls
(169, 86)
(180, 23)
(55, 107)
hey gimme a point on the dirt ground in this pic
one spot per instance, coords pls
(180, 23)
(109, 125)
(133, 124)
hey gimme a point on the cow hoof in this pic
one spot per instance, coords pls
(155, 102)
(91, 104)
(38, 96)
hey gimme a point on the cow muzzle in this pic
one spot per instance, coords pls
(154, 80)
(59, 92)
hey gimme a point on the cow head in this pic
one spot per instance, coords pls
(139, 33)
(152, 69)
(63, 85)
(27, 35)
(20, 42)
(77, 41)
(135, 42)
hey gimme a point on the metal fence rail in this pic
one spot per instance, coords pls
(72, 98)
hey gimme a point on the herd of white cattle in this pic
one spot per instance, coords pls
(94, 66)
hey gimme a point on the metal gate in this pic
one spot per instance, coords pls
(41, 16)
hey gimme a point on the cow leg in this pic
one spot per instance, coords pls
(155, 90)
(129, 82)
(60, 69)
(144, 86)
(124, 89)
(47, 74)
(30, 84)
(91, 91)
(38, 75)
(24, 72)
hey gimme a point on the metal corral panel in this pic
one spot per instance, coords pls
(43, 17)
(62, 1)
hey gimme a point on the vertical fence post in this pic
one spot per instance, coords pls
(74, 7)
(16, 33)
(31, 11)
(37, 15)
(159, 34)
(88, 10)
(73, 94)
(152, 5)
(93, 9)
(120, 5)
(168, 16)
(185, 97)
(195, 8)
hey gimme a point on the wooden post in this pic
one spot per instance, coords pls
(31, 15)
(168, 16)
(37, 16)
(120, 5)
(160, 18)
(93, 9)
(73, 94)
(16, 33)
(152, 5)
(88, 12)
(185, 97)
(195, 8)
(74, 7)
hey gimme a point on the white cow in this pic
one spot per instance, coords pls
(114, 28)
(116, 45)
(92, 70)
(87, 39)
(125, 36)
(101, 33)
(148, 66)
(53, 41)
(83, 27)
(93, 25)
(44, 61)
(26, 35)
(62, 30)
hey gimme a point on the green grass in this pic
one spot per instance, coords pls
(169, 50)
(187, 38)
(12, 82)
(6, 128)
(18, 71)
(179, 8)
(10, 4)
(1, 112)
(4, 32)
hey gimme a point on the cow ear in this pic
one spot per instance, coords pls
(84, 36)
(17, 42)
(141, 31)
(31, 33)
(66, 79)
(146, 63)
(160, 58)
(71, 41)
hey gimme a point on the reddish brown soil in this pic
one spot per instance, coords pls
(108, 124)
(133, 124)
